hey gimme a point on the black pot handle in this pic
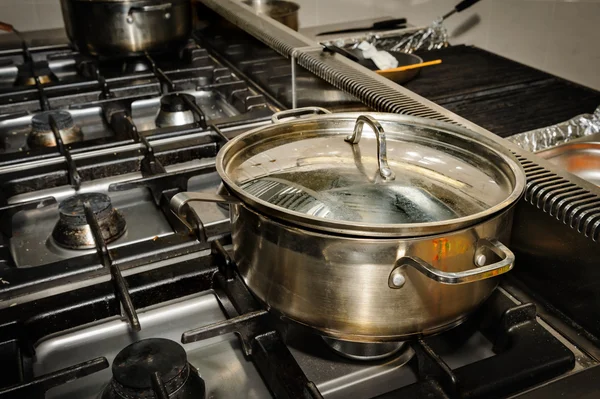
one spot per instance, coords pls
(463, 5)
(331, 48)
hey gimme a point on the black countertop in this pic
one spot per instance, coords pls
(499, 94)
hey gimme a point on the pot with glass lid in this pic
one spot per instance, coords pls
(367, 227)
(112, 28)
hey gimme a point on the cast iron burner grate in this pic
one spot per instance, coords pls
(28, 72)
(526, 353)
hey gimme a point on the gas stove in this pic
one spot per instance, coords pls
(104, 293)
(201, 327)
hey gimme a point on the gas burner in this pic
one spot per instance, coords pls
(174, 110)
(135, 367)
(41, 133)
(72, 230)
(27, 73)
(364, 351)
(135, 66)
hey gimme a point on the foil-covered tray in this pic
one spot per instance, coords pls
(432, 37)
(561, 133)
(580, 157)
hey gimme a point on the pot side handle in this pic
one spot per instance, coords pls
(180, 201)
(297, 112)
(397, 279)
(179, 205)
(147, 8)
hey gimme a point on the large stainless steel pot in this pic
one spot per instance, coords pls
(126, 27)
(393, 235)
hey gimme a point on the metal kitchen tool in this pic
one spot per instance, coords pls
(6, 27)
(434, 36)
(405, 72)
(396, 23)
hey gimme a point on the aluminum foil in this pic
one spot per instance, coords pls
(433, 37)
(551, 136)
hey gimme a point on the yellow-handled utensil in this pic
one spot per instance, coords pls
(407, 67)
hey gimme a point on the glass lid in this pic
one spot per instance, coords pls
(371, 174)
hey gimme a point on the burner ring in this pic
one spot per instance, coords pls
(41, 132)
(175, 102)
(72, 212)
(364, 351)
(175, 111)
(72, 230)
(41, 122)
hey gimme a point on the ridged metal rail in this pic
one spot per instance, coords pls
(370, 88)
(562, 199)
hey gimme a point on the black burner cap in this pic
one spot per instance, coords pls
(175, 102)
(40, 122)
(71, 210)
(134, 365)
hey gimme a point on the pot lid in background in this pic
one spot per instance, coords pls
(438, 177)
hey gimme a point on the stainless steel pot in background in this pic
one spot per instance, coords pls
(282, 11)
(381, 237)
(126, 27)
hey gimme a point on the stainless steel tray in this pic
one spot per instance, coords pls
(580, 157)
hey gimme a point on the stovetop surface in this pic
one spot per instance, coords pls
(66, 313)
(201, 301)
(120, 149)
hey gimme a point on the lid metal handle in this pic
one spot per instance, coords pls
(296, 112)
(384, 169)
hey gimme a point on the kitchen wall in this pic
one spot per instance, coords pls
(559, 36)
(31, 14)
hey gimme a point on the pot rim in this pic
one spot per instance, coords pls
(351, 228)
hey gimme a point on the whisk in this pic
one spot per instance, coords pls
(434, 36)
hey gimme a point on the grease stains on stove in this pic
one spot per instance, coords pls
(41, 134)
(73, 231)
